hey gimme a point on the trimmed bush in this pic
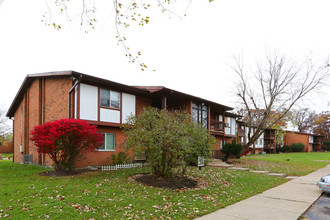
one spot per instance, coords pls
(232, 150)
(297, 147)
(283, 149)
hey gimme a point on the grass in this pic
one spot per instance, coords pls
(6, 155)
(25, 194)
(296, 164)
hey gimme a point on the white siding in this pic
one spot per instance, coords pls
(75, 102)
(128, 106)
(311, 139)
(231, 130)
(88, 102)
(109, 115)
(260, 142)
(233, 126)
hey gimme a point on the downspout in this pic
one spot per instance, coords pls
(69, 98)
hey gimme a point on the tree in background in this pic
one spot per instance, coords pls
(276, 84)
(302, 118)
(255, 117)
(4, 128)
(308, 121)
(64, 139)
(322, 124)
(169, 139)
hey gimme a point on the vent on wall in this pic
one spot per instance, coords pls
(27, 159)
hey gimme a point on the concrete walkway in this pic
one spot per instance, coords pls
(219, 163)
(287, 201)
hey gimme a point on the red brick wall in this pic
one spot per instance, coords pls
(18, 157)
(103, 157)
(56, 98)
(33, 112)
(142, 102)
(6, 147)
(56, 107)
(179, 106)
(292, 137)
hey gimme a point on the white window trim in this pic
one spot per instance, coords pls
(111, 91)
(105, 150)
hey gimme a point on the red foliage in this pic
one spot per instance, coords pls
(64, 139)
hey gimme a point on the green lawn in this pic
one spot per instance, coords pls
(6, 155)
(25, 194)
(297, 164)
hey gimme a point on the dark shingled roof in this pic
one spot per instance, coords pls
(151, 91)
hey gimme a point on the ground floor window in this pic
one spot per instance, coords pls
(108, 143)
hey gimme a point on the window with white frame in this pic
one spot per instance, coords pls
(108, 143)
(228, 122)
(110, 98)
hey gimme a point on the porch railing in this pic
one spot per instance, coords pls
(269, 146)
(217, 125)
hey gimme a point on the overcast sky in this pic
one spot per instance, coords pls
(190, 54)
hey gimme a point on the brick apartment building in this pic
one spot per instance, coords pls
(68, 94)
(312, 142)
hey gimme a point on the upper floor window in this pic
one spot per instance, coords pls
(110, 98)
(228, 122)
(200, 114)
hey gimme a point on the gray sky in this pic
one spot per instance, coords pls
(190, 54)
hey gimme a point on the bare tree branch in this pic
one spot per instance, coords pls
(276, 87)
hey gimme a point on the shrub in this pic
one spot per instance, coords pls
(200, 144)
(120, 158)
(64, 139)
(297, 147)
(326, 146)
(282, 149)
(169, 139)
(232, 149)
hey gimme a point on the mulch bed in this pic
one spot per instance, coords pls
(176, 182)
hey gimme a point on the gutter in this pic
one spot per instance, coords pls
(69, 95)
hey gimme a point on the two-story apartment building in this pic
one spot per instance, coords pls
(68, 94)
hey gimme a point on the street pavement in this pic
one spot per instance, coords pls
(286, 202)
(320, 210)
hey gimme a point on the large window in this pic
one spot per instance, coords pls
(108, 143)
(110, 98)
(200, 114)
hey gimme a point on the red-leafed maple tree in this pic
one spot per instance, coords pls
(64, 139)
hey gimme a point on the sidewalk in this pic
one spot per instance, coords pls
(287, 201)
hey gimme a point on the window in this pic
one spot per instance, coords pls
(228, 122)
(108, 143)
(110, 98)
(200, 114)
